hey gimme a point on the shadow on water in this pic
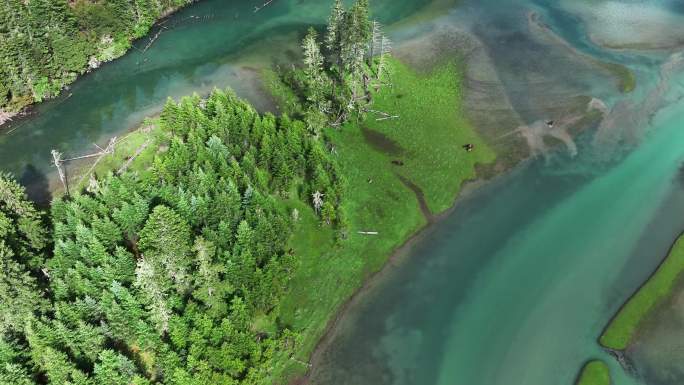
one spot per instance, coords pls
(37, 186)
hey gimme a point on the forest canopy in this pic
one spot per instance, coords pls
(170, 275)
(176, 271)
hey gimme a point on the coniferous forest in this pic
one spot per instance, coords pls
(173, 271)
(158, 277)
(46, 44)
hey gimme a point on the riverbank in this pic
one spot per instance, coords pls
(401, 174)
(620, 332)
(391, 166)
(96, 44)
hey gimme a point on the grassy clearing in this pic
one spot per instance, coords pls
(427, 138)
(431, 130)
(619, 333)
(594, 373)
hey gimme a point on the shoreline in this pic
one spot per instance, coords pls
(7, 117)
(621, 353)
(397, 256)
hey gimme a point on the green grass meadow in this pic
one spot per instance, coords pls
(594, 373)
(427, 137)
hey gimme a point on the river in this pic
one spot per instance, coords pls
(213, 43)
(515, 285)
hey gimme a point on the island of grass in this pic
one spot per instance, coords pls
(619, 334)
(594, 373)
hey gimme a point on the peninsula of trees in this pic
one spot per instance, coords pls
(161, 276)
(46, 44)
(219, 256)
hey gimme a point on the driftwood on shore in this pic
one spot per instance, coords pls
(6, 116)
(383, 115)
(267, 3)
(308, 365)
(154, 38)
(387, 117)
(60, 163)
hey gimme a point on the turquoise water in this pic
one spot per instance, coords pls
(513, 287)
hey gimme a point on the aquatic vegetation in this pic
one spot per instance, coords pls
(622, 329)
(594, 373)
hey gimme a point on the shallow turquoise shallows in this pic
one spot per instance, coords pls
(515, 285)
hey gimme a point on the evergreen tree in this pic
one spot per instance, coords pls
(313, 59)
(172, 295)
(113, 369)
(23, 241)
(334, 30)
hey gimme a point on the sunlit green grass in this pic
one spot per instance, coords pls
(430, 132)
(142, 143)
(432, 129)
(594, 373)
(621, 330)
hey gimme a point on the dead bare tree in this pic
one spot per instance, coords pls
(57, 161)
(317, 200)
(385, 51)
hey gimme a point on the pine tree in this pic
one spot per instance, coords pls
(165, 242)
(20, 298)
(335, 20)
(113, 369)
(313, 59)
(384, 51)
